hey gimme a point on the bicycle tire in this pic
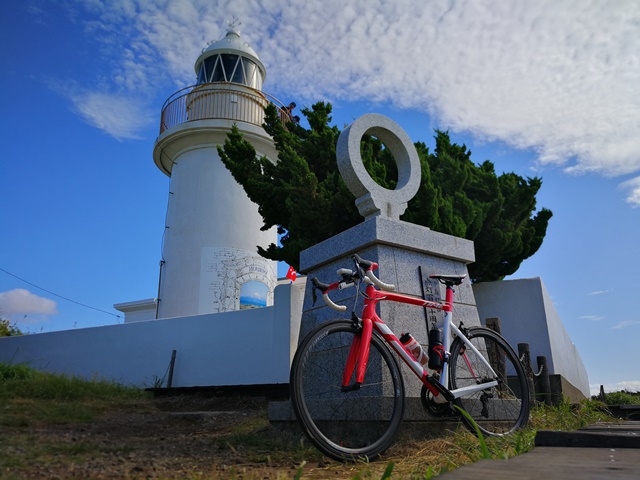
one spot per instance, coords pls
(498, 410)
(346, 426)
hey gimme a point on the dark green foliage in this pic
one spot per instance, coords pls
(303, 194)
(19, 371)
(470, 201)
(305, 197)
(7, 329)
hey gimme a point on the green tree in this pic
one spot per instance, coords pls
(303, 194)
(7, 329)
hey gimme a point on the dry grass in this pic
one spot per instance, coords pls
(57, 427)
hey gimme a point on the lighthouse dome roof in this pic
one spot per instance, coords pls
(232, 43)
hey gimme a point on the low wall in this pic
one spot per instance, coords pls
(528, 316)
(247, 347)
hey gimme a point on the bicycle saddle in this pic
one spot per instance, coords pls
(449, 279)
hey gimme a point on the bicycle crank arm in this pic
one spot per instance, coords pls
(442, 390)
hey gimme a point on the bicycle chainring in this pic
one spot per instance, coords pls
(437, 410)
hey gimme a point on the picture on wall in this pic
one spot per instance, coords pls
(253, 294)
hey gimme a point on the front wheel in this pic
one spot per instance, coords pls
(352, 425)
(497, 410)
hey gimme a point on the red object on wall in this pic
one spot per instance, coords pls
(291, 274)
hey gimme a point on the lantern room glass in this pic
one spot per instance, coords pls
(226, 67)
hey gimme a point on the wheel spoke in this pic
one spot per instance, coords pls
(497, 410)
(346, 425)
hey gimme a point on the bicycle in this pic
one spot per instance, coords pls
(347, 390)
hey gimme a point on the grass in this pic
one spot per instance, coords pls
(622, 398)
(259, 443)
(30, 399)
(24, 453)
(481, 441)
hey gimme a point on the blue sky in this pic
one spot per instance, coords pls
(541, 88)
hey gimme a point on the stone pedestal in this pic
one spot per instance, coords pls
(399, 248)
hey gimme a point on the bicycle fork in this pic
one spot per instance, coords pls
(358, 357)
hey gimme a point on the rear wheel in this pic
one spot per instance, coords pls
(359, 424)
(500, 409)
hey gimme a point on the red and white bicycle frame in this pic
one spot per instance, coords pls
(359, 352)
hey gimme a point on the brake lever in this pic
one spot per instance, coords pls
(348, 276)
(359, 271)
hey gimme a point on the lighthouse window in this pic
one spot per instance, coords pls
(208, 67)
(218, 73)
(252, 74)
(230, 68)
(229, 62)
(238, 74)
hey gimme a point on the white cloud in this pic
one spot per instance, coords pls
(633, 191)
(119, 116)
(110, 108)
(625, 324)
(562, 78)
(599, 292)
(593, 318)
(23, 302)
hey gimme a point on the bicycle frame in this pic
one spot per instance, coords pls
(359, 352)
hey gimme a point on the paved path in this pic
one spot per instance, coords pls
(601, 451)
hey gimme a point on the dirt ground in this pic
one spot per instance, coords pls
(176, 437)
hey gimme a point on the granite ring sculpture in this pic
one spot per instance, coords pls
(372, 199)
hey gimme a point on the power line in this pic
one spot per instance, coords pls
(59, 296)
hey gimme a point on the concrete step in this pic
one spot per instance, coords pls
(552, 463)
(599, 451)
(598, 435)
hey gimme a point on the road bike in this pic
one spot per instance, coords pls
(347, 390)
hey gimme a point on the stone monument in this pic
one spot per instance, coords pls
(398, 247)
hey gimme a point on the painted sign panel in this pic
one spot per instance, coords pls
(253, 294)
(234, 279)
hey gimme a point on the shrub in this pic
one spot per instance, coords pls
(623, 397)
(7, 329)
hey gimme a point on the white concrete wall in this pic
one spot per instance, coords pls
(138, 311)
(246, 347)
(528, 316)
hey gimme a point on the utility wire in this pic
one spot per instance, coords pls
(59, 296)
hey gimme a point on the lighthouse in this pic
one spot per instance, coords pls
(209, 260)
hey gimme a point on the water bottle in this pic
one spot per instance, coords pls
(414, 348)
(436, 349)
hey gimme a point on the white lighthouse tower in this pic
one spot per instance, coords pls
(209, 261)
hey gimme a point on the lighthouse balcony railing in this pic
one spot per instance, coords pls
(225, 101)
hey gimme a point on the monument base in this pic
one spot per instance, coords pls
(401, 250)
(416, 424)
